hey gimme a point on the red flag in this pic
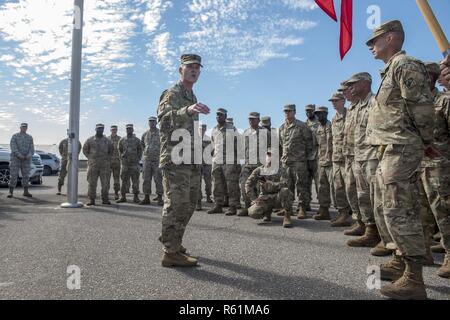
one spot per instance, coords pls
(328, 7)
(346, 37)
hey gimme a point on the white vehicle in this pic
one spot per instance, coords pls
(51, 162)
(36, 170)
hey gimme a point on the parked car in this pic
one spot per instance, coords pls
(51, 162)
(36, 170)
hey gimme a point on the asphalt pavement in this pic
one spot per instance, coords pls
(116, 251)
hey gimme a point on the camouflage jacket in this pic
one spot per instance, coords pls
(173, 115)
(313, 125)
(403, 114)
(277, 179)
(22, 145)
(115, 158)
(363, 150)
(349, 131)
(296, 142)
(151, 144)
(441, 130)
(98, 150)
(64, 149)
(252, 147)
(130, 150)
(337, 129)
(325, 144)
(219, 137)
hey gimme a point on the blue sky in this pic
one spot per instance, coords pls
(258, 56)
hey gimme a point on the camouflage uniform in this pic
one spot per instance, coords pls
(276, 196)
(151, 145)
(337, 129)
(313, 171)
(349, 154)
(98, 151)
(130, 150)
(325, 154)
(65, 160)
(21, 145)
(225, 175)
(296, 145)
(401, 123)
(115, 162)
(180, 181)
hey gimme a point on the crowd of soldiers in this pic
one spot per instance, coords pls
(383, 163)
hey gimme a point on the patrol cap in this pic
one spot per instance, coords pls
(321, 109)
(362, 76)
(99, 126)
(290, 107)
(433, 68)
(337, 96)
(152, 119)
(114, 127)
(129, 126)
(191, 59)
(229, 120)
(254, 115)
(24, 125)
(265, 120)
(343, 87)
(222, 111)
(310, 107)
(389, 26)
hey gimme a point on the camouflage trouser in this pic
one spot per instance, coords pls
(340, 195)
(435, 199)
(180, 184)
(313, 174)
(297, 176)
(325, 186)
(152, 170)
(24, 166)
(94, 172)
(364, 171)
(247, 170)
(63, 172)
(130, 172)
(264, 205)
(226, 181)
(350, 187)
(115, 172)
(397, 178)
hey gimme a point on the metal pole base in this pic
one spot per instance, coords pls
(67, 205)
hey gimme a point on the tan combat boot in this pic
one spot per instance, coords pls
(232, 211)
(216, 209)
(370, 238)
(287, 223)
(26, 193)
(116, 195)
(159, 200)
(208, 199)
(146, 200)
(11, 191)
(136, 198)
(409, 287)
(357, 230)
(178, 260)
(380, 250)
(392, 270)
(242, 213)
(122, 199)
(91, 203)
(322, 214)
(444, 270)
(343, 219)
(302, 213)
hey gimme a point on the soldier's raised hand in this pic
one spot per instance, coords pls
(198, 108)
(445, 68)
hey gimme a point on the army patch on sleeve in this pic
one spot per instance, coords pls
(410, 83)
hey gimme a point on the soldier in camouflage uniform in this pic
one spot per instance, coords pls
(337, 129)
(324, 139)
(313, 172)
(178, 109)
(151, 145)
(366, 161)
(98, 150)
(273, 192)
(115, 160)
(296, 144)
(206, 168)
(225, 168)
(401, 124)
(252, 158)
(22, 150)
(65, 162)
(130, 150)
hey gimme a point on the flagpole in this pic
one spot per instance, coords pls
(74, 113)
(434, 26)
